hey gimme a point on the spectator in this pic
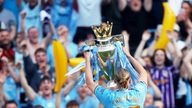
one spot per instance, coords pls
(32, 41)
(18, 48)
(46, 99)
(162, 74)
(179, 42)
(7, 17)
(71, 47)
(72, 104)
(85, 100)
(135, 19)
(89, 15)
(184, 19)
(188, 80)
(10, 84)
(188, 41)
(32, 10)
(149, 101)
(144, 59)
(11, 104)
(152, 94)
(35, 72)
(15, 7)
(63, 13)
(64, 95)
(6, 42)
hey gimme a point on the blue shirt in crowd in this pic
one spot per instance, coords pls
(12, 6)
(65, 15)
(47, 103)
(11, 89)
(88, 102)
(32, 18)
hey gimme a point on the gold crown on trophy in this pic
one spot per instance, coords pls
(103, 31)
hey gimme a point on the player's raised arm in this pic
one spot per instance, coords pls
(142, 72)
(88, 72)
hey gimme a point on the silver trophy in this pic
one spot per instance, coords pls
(105, 43)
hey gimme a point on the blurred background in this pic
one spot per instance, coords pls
(28, 27)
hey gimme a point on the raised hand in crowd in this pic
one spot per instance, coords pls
(24, 47)
(31, 94)
(68, 86)
(155, 88)
(22, 23)
(138, 54)
(176, 53)
(9, 68)
(33, 36)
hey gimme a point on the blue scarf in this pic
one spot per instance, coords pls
(123, 62)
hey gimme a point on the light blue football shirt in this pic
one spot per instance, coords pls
(123, 98)
(47, 103)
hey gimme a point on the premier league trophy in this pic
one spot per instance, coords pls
(105, 54)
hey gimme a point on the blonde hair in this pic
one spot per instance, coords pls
(121, 78)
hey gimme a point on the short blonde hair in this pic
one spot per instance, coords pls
(121, 78)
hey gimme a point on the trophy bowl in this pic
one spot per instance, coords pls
(105, 49)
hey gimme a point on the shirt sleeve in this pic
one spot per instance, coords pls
(104, 95)
(142, 88)
(37, 100)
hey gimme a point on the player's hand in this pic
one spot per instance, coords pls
(126, 36)
(87, 55)
(126, 51)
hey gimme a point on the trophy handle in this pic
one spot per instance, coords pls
(118, 37)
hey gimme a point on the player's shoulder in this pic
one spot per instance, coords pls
(141, 86)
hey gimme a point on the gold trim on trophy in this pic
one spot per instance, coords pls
(103, 31)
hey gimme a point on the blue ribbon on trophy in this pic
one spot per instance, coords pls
(107, 54)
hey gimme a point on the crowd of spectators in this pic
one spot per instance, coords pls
(27, 69)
